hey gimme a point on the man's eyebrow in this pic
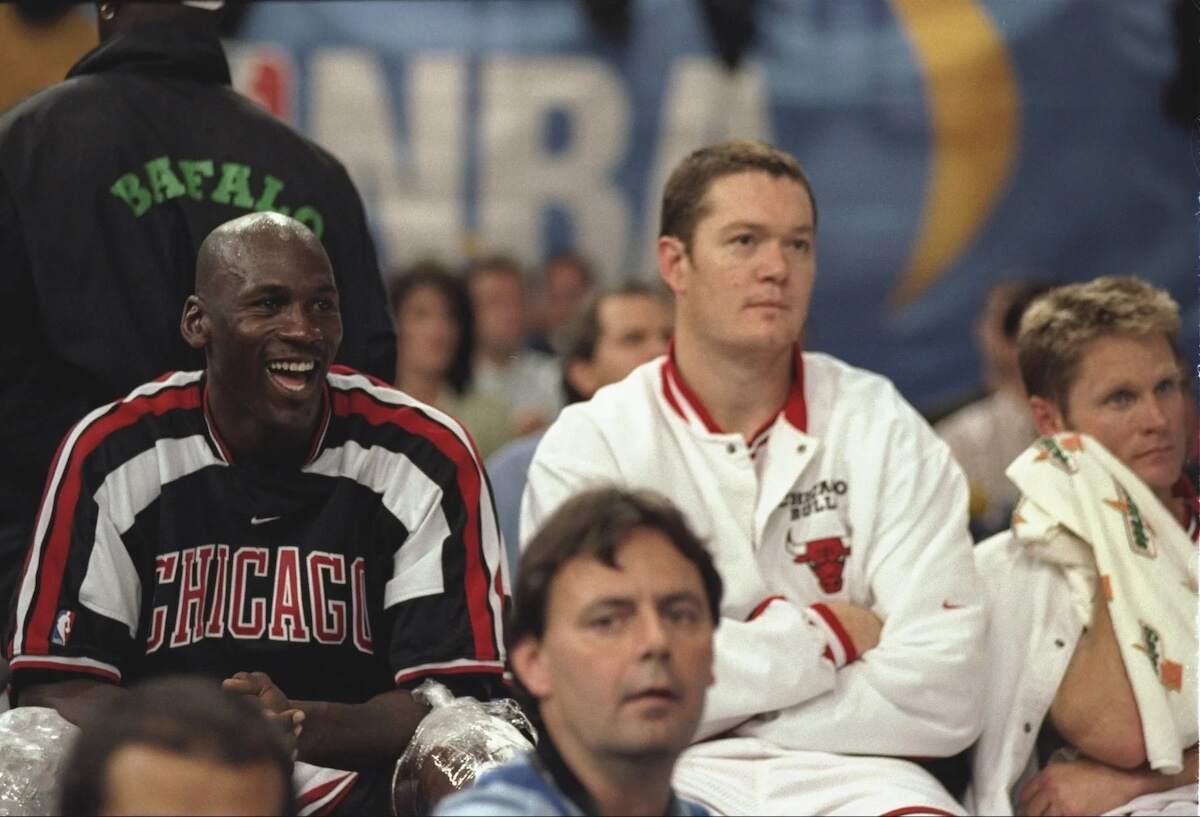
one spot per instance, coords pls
(681, 595)
(755, 225)
(611, 601)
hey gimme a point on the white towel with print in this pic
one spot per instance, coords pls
(1083, 510)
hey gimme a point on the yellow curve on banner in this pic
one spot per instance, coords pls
(973, 100)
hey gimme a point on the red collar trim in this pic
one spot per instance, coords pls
(678, 394)
(318, 438)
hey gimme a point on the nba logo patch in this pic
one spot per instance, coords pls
(62, 627)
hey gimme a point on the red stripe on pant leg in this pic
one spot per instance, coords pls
(899, 812)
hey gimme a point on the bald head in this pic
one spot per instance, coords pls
(228, 253)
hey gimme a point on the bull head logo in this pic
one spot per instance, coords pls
(826, 558)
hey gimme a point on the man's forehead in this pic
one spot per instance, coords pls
(642, 565)
(740, 197)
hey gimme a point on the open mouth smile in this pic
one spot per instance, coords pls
(292, 375)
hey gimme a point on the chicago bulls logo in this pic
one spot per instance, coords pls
(826, 557)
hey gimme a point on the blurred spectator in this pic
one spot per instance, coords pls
(109, 181)
(612, 643)
(179, 746)
(985, 436)
(527, 381)
(567, 279)
(618, 330)
(435, 344)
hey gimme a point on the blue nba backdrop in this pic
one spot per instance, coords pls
(951, 144)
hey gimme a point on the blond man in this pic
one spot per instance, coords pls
(1064, 734)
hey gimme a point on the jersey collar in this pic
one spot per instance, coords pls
(687, 404)
(222, 450)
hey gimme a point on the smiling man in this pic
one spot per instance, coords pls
(315, 539)
(837, 519)
(1065, 730)
(611, 635)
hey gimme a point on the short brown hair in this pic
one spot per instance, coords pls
(684, 197)
(1057, 326)
(595, 523)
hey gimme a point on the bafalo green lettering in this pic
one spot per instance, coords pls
(309, 217)
(235, 185)
(163, 182)
(129, 189)
(271, 188)
(194, 172)
(167, 180)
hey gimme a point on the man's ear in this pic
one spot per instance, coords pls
(194, 324)
(1047, 419)
(672, 262)
(529, 665)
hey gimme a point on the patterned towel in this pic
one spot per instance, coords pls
(1085, 511)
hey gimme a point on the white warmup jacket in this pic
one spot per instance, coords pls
(847, 496)
(1033, 634)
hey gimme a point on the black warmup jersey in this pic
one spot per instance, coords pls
(375, 565)
(109, 181)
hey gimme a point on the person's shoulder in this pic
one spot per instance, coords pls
(77, 97)
(618, 409)
(514, 788)
(839, 388)
(163, 416)
(386, 410)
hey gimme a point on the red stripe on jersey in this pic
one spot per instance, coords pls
(332, 805)
(314, 794)
(900, 812)
(762, 607)
(672, 372)
(794, 409)
(58, 539)
(57, 666)
(469, 485)
(459, 669)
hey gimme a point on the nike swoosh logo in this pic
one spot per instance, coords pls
(945, 605)
(262, 520)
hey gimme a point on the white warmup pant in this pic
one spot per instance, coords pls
(1181, 801)
(749, 776)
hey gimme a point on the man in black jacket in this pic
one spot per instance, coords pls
(109, 181)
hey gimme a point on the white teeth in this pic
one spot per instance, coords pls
(290, 366)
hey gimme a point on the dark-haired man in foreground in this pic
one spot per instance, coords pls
(320, 541)
(178, 746)
(611, 635)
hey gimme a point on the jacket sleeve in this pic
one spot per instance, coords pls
(919, 692)
(779, 641)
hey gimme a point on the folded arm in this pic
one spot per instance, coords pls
(1095, 709)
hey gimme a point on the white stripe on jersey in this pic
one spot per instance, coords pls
(443, 666)
(410, 496)
(493, 549)
(111, 586)
(29, 581)
(35, 661)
